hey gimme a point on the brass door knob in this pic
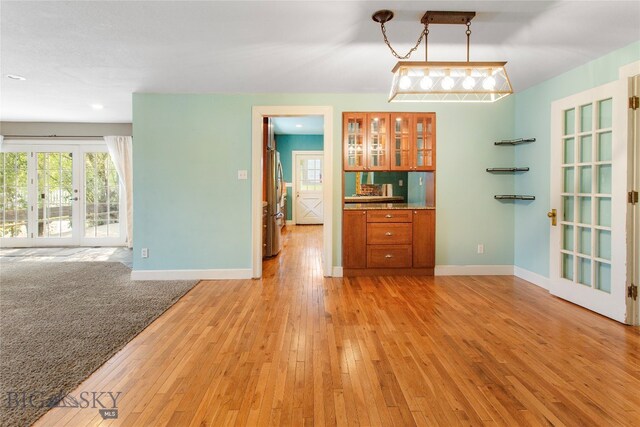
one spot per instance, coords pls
(553, 214)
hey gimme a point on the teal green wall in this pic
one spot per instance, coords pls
(285, 144)
(378, 178)
(417, 192)
(533, 119)
(193, 213)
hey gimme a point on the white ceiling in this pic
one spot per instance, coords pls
(300, 125)
(79, 53)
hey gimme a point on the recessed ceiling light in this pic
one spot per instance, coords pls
(16, 77)
(97, 106)
(298, 126)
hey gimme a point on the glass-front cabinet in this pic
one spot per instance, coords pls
(424, 147)
(401, 144)
(389, 141)
(366, 141)
(354, 141)
(378, 141)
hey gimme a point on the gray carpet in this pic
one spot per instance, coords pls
(59, 322)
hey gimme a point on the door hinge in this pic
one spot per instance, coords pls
(632, 291)
(632, 197)
(634, 102)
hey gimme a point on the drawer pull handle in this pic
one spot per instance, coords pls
(388, 216)
(388, 256)
(388, 233)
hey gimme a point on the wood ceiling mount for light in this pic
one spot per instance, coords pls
(444, 17)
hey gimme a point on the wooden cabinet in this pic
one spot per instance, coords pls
(354, 141)
(394, 241)
(413, 141)
(354, 239)
(424, 238)
(377, 142)
(366, 141)
(398, 240)
(424, 142)
(401, 141)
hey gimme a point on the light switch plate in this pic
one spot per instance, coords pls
(242, 174)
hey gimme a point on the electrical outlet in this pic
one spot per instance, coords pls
(400, 183)
(144, 253)
(242, 174)
(480, 248)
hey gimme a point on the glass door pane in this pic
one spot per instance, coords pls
(424, 135)
(14, 195)
(378, 139)
(401, 141)
(101, 197)
(354, 142)
(586, 194)
(55, 194)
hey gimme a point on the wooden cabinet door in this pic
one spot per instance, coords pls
(377, 141)
(401, 157)
(354, 239)
(354, 141)
(424, 142)
(424, 238)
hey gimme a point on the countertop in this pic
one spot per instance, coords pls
(366, 206)
(373, 199)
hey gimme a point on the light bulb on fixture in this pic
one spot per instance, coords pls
(468, 83)
(405, 82)
(489, 83)
(426, 83)
(448, 83)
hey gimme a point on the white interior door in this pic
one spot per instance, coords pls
(309, 203)
(588, 191)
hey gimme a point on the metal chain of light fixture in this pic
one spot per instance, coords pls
(423, 35)
(413, 49)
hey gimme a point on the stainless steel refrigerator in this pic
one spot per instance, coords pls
(275, 197)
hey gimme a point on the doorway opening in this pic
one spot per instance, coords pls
(294, 143)
(292, 187)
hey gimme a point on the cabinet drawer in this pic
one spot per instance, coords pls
(388, 256)
(392, 215)
(380, 233)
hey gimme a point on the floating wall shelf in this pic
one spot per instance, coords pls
(507, 169)
(513, 197)
(514, 141)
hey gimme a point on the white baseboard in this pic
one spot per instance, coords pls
(290, 222)
(221, 274)
(532, 277)
(337, 271)
(474, 270)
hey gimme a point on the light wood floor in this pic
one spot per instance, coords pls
(297, 349)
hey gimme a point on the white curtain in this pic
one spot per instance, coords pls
(121, 152)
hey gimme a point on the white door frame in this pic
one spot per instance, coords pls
(612, 304)
(258, 113)
(294, 180)
(633, 306)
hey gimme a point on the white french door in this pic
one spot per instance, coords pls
(59, 195)
(588, 192)
(308, 204)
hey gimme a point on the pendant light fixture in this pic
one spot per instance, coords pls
(460, 81)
